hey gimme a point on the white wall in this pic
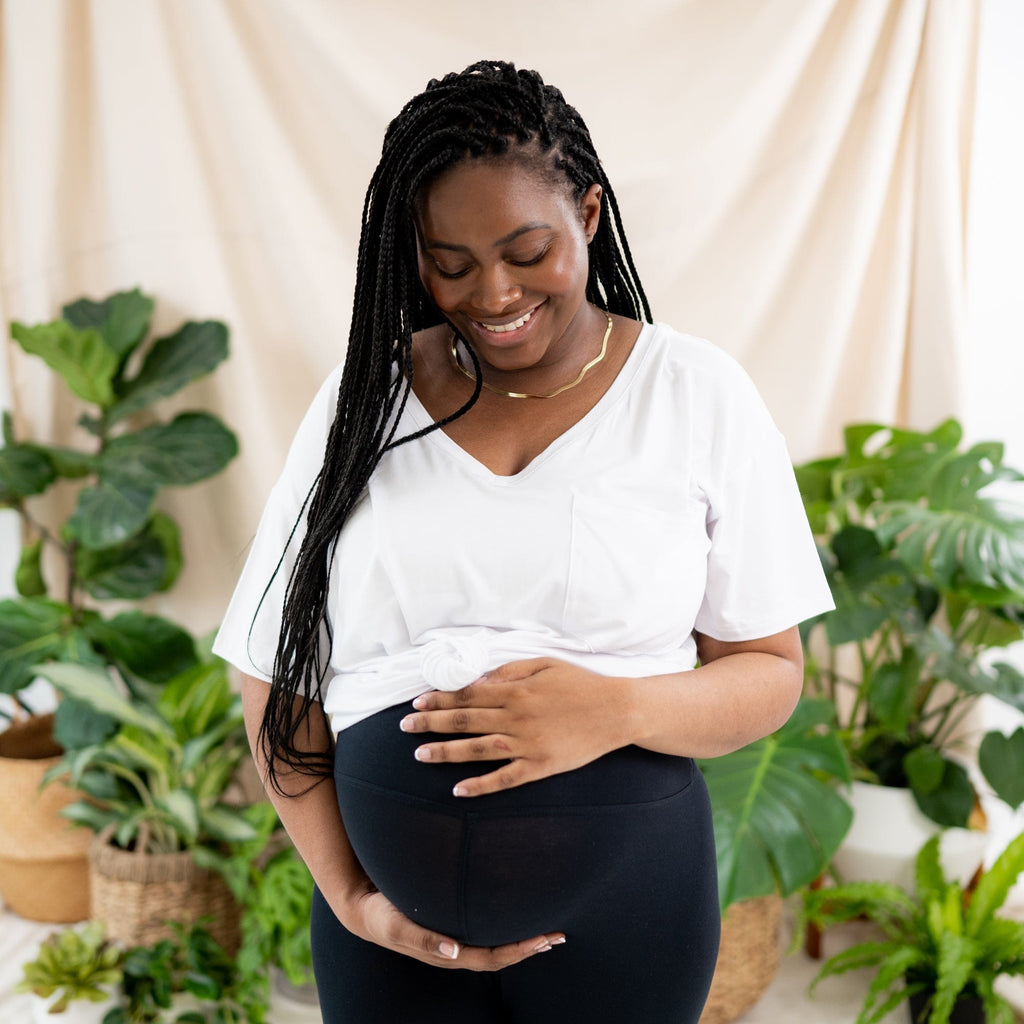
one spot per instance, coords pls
(995, 237)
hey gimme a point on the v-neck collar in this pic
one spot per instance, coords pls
(421, 418)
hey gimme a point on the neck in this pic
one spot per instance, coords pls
(515, 387)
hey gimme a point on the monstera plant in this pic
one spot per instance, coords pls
(116, 544)
(777, 813)
(924, 551)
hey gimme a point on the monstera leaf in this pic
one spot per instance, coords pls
(778, 821)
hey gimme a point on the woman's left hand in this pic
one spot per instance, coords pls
(542, 715)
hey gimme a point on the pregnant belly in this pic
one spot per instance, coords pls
(558, 854)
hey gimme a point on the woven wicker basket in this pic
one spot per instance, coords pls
(44, 868)
(136, 894)
(747, 958)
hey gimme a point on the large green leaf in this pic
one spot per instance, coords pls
(183, 811)
(896, 462)
(148, 646)
(191, 447)
(777, 824)
(980, 542)
(195, 698)
(81, 357)
(893, 691)
(940, 787)
(227, 823)
(96, 687)
(24, 470)
(193, 351)
(122, 319)
(68, 462)
(148, 562)
(31, 630)
(111, 511)
(1001, 759)
(78, 725)
(869, 588)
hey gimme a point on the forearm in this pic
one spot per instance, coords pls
(714, 709)
(308, 812)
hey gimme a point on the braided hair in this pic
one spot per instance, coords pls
(491, 110)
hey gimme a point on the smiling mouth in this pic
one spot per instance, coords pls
(513, 325)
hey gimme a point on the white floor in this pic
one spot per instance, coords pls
(836, 1001)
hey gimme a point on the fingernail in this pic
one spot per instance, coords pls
(542, 947)
(423, 754)
(448, 949)
(558, 942)
(420, 702)
(406, 724)
(459, 791)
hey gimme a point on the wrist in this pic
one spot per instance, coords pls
(629, 711)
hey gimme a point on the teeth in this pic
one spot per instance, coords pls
(502, 328)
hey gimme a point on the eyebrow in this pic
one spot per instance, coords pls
(504, 240)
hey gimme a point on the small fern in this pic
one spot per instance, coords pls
(942, 942)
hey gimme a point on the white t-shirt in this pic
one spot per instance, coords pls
(670, 507)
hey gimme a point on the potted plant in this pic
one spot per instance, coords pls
(157, 790)
(926, 566)
(114, 545)
(778, 820)
(187, 978)
(275, 927)
(942, 950)
(275, 890)
(75, 976)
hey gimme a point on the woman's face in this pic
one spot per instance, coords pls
(503, 254)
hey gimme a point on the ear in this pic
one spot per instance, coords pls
(590, 211)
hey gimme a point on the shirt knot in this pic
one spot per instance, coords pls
(450, 663)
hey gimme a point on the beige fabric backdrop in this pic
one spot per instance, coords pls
(793, 176)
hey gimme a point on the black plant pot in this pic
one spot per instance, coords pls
(966, 1010)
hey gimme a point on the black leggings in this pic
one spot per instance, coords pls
(619, 855)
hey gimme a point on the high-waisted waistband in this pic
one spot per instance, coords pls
(376, 752)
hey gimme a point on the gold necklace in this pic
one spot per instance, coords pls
(551, 394)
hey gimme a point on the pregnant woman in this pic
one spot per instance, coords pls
(530, 555)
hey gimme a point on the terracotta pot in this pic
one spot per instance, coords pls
(887, 832)
(44, 868)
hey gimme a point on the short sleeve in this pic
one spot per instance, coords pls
(248, 636)
(763, 573)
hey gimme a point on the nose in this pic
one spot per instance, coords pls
(496, 289)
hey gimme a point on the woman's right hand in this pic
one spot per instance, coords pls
(372, 916)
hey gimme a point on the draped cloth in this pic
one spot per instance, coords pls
(793, 178)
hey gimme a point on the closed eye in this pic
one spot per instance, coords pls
(531, 260)
(451, 275)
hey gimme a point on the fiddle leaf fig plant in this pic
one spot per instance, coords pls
(925, 558)
(115, 544)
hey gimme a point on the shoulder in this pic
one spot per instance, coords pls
(709, 374)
